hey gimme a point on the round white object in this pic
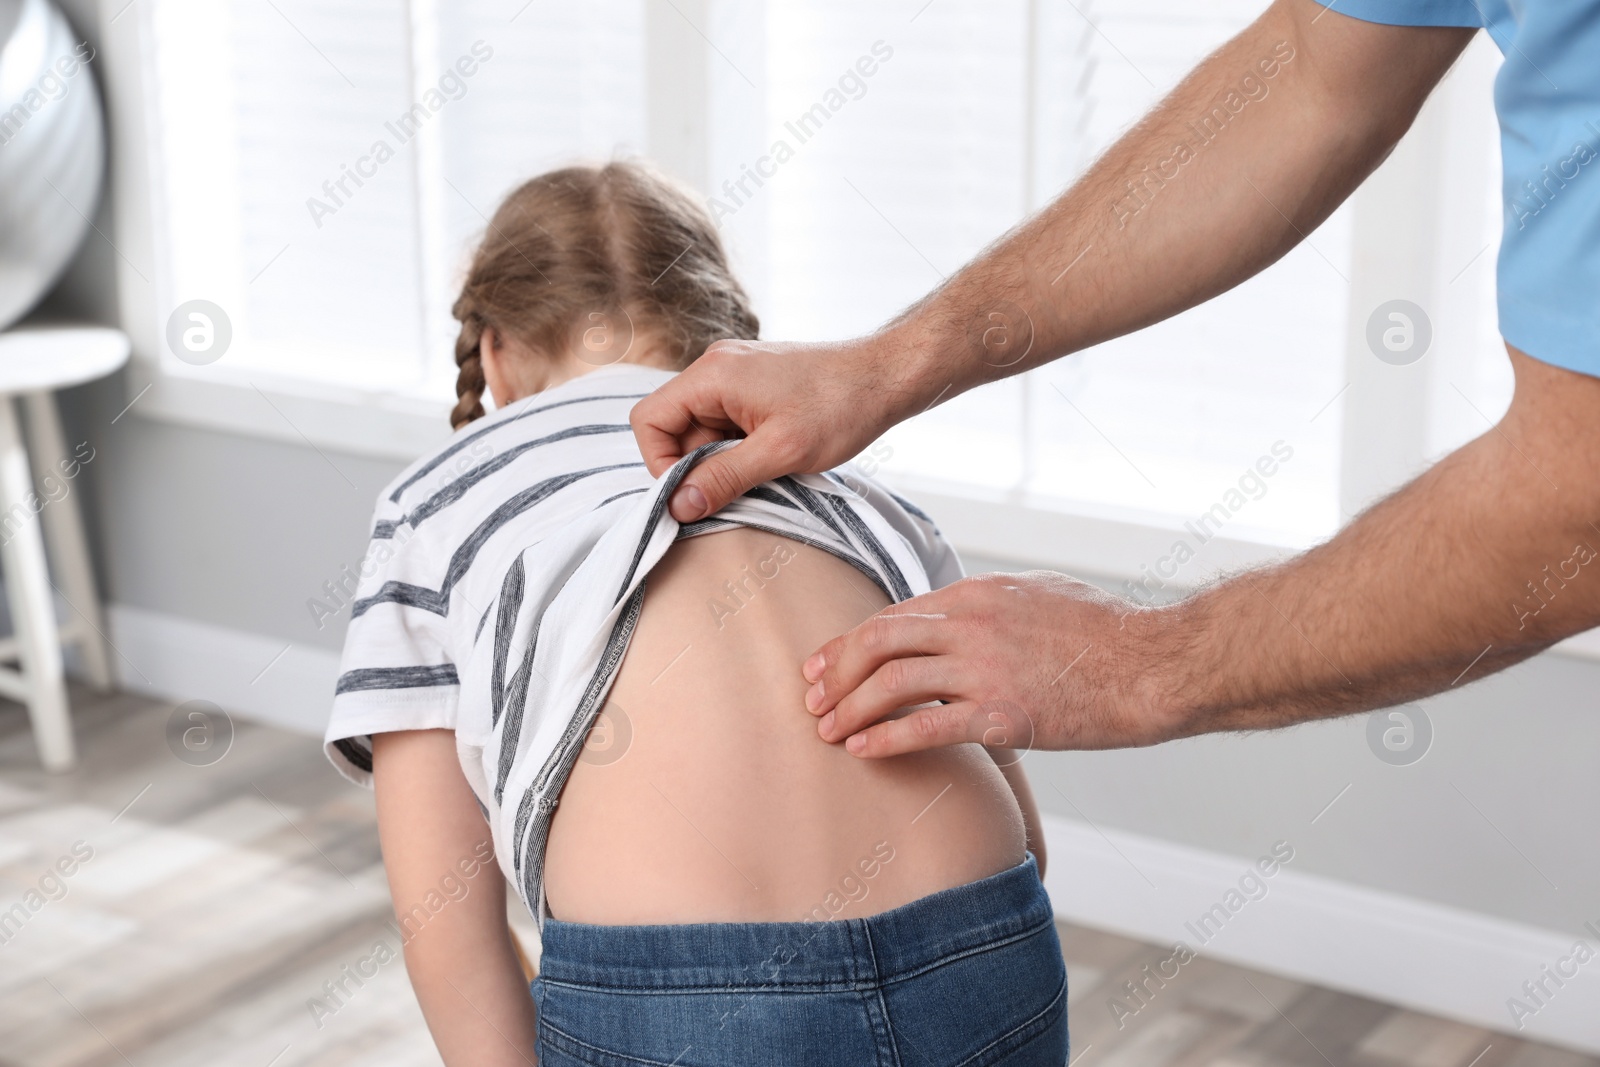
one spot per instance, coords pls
(52, 150)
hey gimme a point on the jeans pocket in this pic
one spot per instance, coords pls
(1042, 1041)
(558, 1048)
(1003, 1003)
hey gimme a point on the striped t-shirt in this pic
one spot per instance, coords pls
(507, 571)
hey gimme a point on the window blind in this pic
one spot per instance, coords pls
(913, 133)
(324, 169)
(956, 138)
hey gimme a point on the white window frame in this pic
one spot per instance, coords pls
(1398, 216)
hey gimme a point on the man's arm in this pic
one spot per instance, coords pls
(1490, 556)
(1147, 232)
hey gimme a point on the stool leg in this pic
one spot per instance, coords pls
(28, 590)
(63, 533)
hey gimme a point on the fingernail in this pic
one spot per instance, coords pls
(814, 697)
(856, 744)
(812, 668)
(694, 502)
(825, 727)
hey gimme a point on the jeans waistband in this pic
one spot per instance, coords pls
(770, 955)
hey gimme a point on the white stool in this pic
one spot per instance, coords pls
(35, 361)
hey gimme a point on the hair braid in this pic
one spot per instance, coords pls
(469, 379)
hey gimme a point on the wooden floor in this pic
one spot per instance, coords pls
(217, 901)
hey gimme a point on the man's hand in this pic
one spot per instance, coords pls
(1489, 557)
(800, 408)
(1022, 661)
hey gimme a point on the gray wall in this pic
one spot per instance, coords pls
(239, 532)
(231, 530)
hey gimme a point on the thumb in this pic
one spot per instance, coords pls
(718, 479)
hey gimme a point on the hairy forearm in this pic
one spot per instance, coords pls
(1488, 558)
(1253, 150)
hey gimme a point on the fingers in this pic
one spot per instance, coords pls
(690, 410)
(729, 392)
(915, 627)
(680, 416)
(899, 683)
(931, 727)
(667, 431)
(799, 409)
(659, 425)
(716, 480)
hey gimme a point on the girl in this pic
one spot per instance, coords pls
(714, 884)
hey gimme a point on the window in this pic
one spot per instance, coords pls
(957, 137)
(326, 167)
(322, 172)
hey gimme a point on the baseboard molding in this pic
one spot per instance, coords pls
(1436, 959)
(263, 678)
(1444, 961)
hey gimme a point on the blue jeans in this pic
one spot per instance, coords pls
(971, 975)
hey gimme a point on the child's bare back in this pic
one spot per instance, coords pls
(706, 795)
